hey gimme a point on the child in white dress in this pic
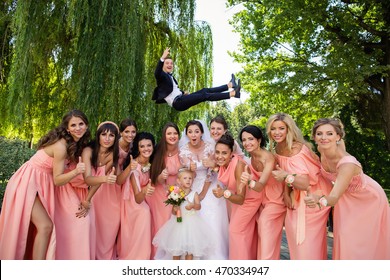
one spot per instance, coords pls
(189, 238)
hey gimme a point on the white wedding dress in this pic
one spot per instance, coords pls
(213, 210)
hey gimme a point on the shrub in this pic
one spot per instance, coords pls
(13, 153)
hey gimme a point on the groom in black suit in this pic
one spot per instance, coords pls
(167, 90)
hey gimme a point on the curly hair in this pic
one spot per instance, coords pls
(73, 148)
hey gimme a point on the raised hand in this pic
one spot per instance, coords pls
(80, 167)
(279, 174)
(133, 163)
(218, 191)
(208, 162)
(245, 175)
(164, 174)
(192, 165)
(148, 190)
(111, 178)
(166, 53)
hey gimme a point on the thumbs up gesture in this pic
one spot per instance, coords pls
(80, 167)
(279, 174)
(218, 191)
(149, 189)
(246, 176)
(164, 173)
(192, 166)
(111, 178)
(133, 163)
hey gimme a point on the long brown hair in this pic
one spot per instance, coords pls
(73, 148)
(160, 153)
(114, 149)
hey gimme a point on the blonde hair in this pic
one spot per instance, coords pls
(183, 170)
(294, 134)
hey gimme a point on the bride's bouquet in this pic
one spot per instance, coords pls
(175, 197)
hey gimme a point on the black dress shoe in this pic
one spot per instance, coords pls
(233, 81)
(238, 89)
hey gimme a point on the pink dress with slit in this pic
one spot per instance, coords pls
(361, 221)
(76, 237)
(306, 227)
(135, 235)
(160, 212)
(106, 203)
(34, 178)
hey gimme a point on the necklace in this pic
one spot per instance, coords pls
(171, 154)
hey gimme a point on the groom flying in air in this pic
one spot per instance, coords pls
(167, 90)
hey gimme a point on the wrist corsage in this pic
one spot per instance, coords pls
(252, 184)
(227, 194)
(322, 201)
(289, 179)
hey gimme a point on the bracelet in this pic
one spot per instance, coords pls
(289, 179)
(227, 194)
(323, 201)
(252, 184)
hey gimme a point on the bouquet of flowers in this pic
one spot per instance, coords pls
(175, 197)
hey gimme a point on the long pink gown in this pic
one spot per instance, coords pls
(34, 178)
(306, 227)
(160, 212)
(106, 203)
(242, 225)
(270, 222)
(76, 237)
(361, 221)
(135, 235)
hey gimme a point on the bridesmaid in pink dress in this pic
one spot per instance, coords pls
(244, 205)
(128, 130)
(101, 160)
(361, 208)
(135, 236)
(299, 168)
(166, 164)
(29, 197)
(76, 235)
(218, 127)
(272, 210)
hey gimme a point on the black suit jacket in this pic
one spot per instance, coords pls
(164, 84)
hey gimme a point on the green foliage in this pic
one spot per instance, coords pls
(13, 153)
(311, 58)
(99, 57)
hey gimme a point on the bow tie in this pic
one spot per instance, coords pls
(170, 74)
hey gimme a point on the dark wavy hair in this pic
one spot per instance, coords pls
(135, 151)
(256, 132)
(194, 122)
(95, 144)
(127, 122)
(160, 153)
(227, 140)
(73, 148)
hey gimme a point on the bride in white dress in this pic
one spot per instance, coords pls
(194, 146)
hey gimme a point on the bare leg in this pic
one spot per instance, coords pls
(176, 257)
(189, 257)
(44, 225)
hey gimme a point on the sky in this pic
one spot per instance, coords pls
(224, 40)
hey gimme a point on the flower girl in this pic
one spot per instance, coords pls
(185, 234)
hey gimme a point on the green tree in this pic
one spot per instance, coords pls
(312, 58)
(97, 56)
